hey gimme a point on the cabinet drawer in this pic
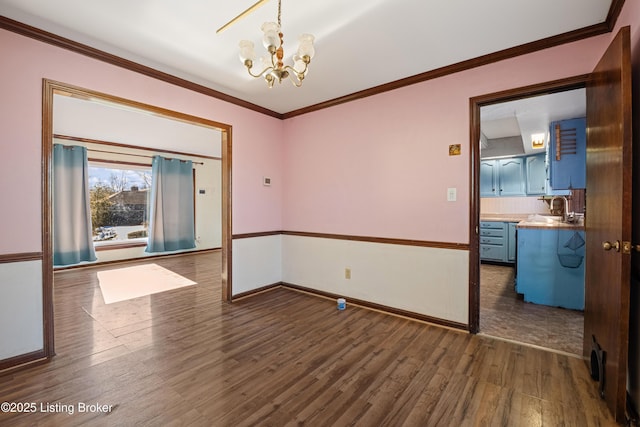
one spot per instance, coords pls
(492, 224)
(492, 252)
(491, 240)
(491, 232)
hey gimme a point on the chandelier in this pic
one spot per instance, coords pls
(275, 69)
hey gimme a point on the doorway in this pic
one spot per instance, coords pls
(502, 126)
(52, 89)
(608, 242)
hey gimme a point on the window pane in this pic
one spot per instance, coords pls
(119, 202)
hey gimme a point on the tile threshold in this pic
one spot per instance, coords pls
(539, 347)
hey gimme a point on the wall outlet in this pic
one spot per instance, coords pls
(347, 273)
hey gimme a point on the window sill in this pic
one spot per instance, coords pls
(104, 246)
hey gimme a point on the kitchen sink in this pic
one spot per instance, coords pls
(544, 219)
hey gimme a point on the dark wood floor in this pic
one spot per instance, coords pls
(284, 358)
(504, 315)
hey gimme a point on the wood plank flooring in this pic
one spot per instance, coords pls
(283, 358)
(504, 315)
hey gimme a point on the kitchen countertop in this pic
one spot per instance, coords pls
(525, 221)
(504, 217)
(551, 225)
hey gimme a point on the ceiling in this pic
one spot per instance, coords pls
(359, 44)
(104, 121)
(501, 124)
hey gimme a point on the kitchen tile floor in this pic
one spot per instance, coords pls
(504, 315)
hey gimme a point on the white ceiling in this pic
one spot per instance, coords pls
(528, 116)
(359, 44)
(116, 123)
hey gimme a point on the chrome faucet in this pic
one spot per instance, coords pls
(565, 213)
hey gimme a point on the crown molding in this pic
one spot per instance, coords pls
(62, 42)
(569, 37)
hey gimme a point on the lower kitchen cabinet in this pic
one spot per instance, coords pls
(498, 241)
(550, 266)
(511, 242)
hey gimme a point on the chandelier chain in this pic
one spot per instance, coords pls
(279, 13)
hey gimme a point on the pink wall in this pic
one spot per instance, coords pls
(375, 167)
(380, 166)
(257, 149)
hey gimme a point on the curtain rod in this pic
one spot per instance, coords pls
(134, 147)
(139, 155)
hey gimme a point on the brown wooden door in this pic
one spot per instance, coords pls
(608, 216)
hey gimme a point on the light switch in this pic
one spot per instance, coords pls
(452, 194)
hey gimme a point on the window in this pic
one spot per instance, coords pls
(119, 198)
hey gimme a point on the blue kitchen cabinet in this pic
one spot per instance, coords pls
(550, 266)
(498, 241)
(511, 177)
(502, 177)
(568, 154)
(492, 241)
(511, 241)
(536, 174)
(488, 178)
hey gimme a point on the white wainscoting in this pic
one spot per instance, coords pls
(257, 262)
(428, 281)
(21, 325)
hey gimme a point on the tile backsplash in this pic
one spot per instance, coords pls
(513, 205)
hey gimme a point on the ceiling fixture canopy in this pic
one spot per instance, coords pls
(274, 68)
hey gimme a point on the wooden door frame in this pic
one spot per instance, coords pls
(49, 89)
(475, 103)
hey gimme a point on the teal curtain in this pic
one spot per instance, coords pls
(171, 217)
(72, 236)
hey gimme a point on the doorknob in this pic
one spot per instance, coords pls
(607, 246)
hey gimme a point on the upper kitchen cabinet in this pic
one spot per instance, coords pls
(536, 170)
(502, 177)
(568, 153)
(488, 178)
(511, 177)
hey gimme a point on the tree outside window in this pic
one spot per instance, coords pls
(119, 198)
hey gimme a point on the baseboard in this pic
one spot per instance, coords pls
(256, 291)
(382, 308)
(362, 303)
(22, 361)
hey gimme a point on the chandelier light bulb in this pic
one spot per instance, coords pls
(271, 39)
(247, 52)
(306, 46)
(299, 65)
